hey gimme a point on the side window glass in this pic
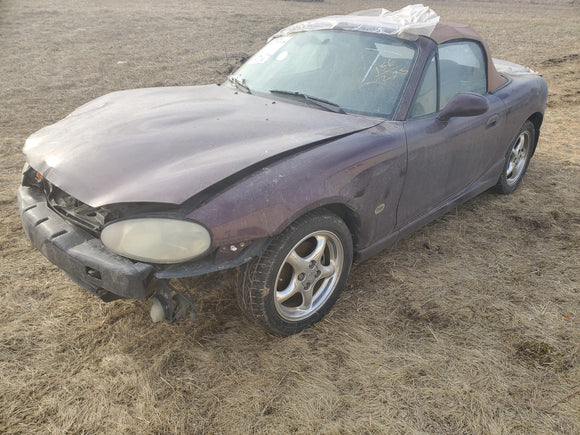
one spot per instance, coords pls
(462, 68)
(426, 101)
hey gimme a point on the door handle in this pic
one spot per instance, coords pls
(491, 122)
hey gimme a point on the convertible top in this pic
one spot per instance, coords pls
(410, 22)
(445, 32)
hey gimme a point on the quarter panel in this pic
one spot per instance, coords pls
(523, 96)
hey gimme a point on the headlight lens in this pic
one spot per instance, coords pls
(156, 240)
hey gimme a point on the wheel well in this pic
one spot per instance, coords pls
(536, 119)
(349, 217)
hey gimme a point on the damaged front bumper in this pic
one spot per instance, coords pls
(88, 263)
(82, 256)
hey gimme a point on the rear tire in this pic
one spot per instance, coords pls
(517, 159)
(299, 276)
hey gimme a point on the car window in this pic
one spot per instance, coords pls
(462, 68)
(426, 101)
(362, 73)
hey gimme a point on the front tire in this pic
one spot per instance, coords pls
(299, 276)
(518, 159)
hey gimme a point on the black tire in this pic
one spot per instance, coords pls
(517, 159)
(299, 276)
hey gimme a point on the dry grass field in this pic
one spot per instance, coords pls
(471, 325)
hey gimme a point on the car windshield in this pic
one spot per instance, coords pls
(350, 72)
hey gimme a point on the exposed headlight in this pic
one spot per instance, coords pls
(156, 240)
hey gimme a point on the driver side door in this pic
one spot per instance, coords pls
(446, 158)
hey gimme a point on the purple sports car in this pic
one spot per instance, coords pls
(342, 135)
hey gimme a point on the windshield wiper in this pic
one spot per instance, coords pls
(239, 83)
(319, 102)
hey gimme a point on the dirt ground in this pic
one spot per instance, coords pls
(471, 325)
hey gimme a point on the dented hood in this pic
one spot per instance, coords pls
(167, 144)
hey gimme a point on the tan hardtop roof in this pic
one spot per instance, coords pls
(446, 31)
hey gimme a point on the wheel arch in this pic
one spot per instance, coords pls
(536, 119)
(350, 218)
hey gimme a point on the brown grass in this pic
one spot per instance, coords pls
(470, 325)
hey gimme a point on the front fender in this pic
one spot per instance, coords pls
(360, 172)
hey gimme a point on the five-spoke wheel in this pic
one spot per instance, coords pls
(299, 276)
(308, 275)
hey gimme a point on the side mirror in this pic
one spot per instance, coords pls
(464, 104)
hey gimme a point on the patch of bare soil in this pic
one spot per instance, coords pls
(470, 325)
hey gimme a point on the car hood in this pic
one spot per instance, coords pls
(168, 144)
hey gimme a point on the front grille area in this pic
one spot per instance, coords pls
(93, 219)
(90, 218)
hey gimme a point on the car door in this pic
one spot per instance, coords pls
(444, 158)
